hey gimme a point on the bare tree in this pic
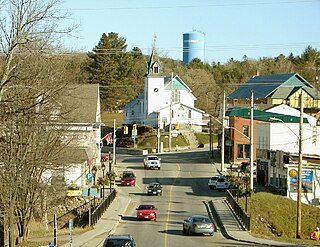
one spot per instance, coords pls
(30, 85)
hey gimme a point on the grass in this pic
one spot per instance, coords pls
(150, 142)
(274, 217)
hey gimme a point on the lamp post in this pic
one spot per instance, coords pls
(299, 206)
(103, 168)
(110, 163)
(94, 173)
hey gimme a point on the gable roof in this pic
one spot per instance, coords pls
(267, 86)
(134, 101)
(189, 107)
(262, 115)
(80, 103)
(177, 83)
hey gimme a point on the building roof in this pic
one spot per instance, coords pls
(262, 115)
(268, 86)
(134, 101)
(175, 104)
(80, 103)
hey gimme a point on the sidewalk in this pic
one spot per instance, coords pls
(229, 225)
(105, 226)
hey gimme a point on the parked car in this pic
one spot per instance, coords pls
(147, 211)
(154, 189)
(197, 224)
(104, 157)
(222, 184)
(119, 241)
(128, 178)
(152, 162)
(213, 181)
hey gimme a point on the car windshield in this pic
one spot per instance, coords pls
(153, 158)
(201, 220)
(154, 186)
(214, 178)
(143, 207)
(128, 175)
(221, 180)
(118, 243)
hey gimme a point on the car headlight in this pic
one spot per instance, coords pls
(149, 190)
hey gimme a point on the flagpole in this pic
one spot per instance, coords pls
(114, 142)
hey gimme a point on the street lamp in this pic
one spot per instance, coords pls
(299, 206)
(110, 163)
(94, 172)
(103, 168)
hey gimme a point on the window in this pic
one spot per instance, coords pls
(175, 96)
(132, 113)
(156, 70)
(189, 114)
(172, 114)
(243, 151)
(245, 130)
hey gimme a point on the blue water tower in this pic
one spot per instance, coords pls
(193, 46)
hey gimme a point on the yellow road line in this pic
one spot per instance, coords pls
(169, 208)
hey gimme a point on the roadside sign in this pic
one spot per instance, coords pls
(89, 176)
(134, 133)
(90, 192)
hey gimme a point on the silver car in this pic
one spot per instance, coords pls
(197, 224)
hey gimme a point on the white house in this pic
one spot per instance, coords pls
(162, 95)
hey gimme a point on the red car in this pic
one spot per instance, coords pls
(104, 157)
(128, 178)
(147, 211)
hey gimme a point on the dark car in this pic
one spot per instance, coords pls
(154, 189)
(119, 241)
(128, 178)
(198, 224)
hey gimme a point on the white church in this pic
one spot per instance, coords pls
(154, 106)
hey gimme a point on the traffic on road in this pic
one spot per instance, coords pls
(170, 219)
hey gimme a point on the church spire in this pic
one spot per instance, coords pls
(153, 65)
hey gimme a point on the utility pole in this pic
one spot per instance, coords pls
(223, 127)
(114, 142)
(298, 228)
(170, 124)
(158, 132)
(251, 142)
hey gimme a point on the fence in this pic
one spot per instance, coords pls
(242, 216)
(99, 210)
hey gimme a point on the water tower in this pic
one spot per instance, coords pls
(193, 46)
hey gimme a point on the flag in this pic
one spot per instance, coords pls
(108, 138)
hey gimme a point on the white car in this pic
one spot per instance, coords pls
(152, 162)
(222, 184)
(213, 181)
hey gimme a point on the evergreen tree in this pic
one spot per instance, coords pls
(111, 66)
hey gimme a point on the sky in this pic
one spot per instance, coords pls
(232, 28)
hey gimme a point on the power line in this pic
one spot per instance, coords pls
(192, 6)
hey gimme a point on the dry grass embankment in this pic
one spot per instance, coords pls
(274, 217)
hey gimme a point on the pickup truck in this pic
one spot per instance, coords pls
(152, 162)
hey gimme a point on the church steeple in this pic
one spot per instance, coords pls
(153, 65)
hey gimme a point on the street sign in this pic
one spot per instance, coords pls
(134, 133)
(90, 192)
(89, 176)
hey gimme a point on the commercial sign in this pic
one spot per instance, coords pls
(307, 177)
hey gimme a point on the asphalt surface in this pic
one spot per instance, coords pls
(221, 212)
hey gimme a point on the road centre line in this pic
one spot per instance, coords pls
(169, 208)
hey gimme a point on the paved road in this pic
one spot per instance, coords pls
(184, 177)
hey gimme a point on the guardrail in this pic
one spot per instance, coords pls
(242, 216)
(99, 210)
